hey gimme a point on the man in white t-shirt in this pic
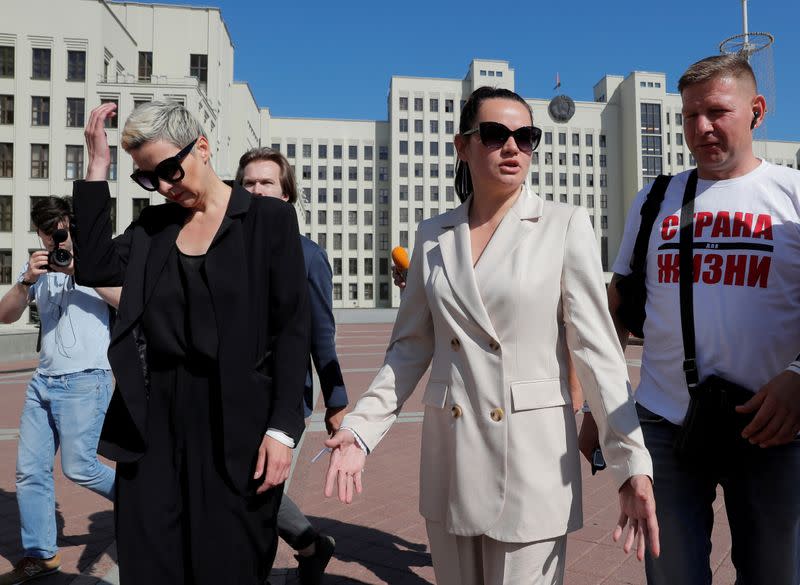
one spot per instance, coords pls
(747, 330)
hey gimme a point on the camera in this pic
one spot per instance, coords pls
(59, 256)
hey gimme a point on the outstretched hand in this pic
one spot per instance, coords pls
(345, 467)
(777, 408)
(637, 507)
(97, 142)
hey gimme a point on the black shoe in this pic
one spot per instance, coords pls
(313, 567)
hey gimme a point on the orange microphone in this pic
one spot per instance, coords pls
(400, 258)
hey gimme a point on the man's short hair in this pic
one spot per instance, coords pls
(48, 212)
(167, 121)
(288, 184)
(715, 67)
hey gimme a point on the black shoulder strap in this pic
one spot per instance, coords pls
(649, 212)
(686, 248)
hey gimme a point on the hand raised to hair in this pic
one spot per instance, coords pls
(97, 142)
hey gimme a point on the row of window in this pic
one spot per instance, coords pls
(337, 151)
(433, 104)
(352, 173)
(419, 193)
(490, 73)
(419, 126)
(352, 291)
(588, 139)
(337, 216)
(352, 195)
(433, 170)
(41, 63)
(576, 159)
(40, 161)
(562, 179)
(40, 111)
(7, 211)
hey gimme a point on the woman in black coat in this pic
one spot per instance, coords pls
(208, 351)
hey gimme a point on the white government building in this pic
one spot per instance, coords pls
(366, 183)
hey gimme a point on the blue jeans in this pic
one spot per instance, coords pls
(65, 411)
(760, 499)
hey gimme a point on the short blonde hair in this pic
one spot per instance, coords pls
(168, 121)
(734, 66)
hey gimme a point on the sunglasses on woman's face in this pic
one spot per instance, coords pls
(169, 170)
(494, 135)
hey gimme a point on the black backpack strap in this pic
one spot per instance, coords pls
(686, 261)
(649, 212)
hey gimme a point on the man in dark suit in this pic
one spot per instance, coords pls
(264, 171)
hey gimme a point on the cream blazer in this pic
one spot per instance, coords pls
(499, 442)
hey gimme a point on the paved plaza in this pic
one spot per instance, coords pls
(380, 538)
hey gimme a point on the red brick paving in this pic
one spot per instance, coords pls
(380, 537)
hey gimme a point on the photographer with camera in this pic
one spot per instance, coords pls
(68, 395)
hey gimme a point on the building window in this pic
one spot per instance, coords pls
(403, 125)
(417, 104)
(352, 173)
(368, 195)
(352, 241)
(576, 139)
(352, 291)
(111, 121)
(434, 148)
(383, 173)
(589, 160)
(418, 193)
(368, 291)
(74, 167)
(198, 67)
(337, 290)
(137, 205)
(679, 139)
(562, 138)
(576, 179)
(604, 161)
(322, 240)
(549, 196)
(337, 266)
(418, 215)
(562, 198)
(589, 180)
(589, 140)
(75, 112)
(679, 119)
(602, 141)
(145, 66)
(6, 109)
(322, 195)
(322, 217)
(368, 153)
(403, 169)
(434, 171)
(651, 118)
(337, 195)
(449, 171)
(679, 158)
(383, 196)
(548, 179)
(418, 170)
(434, 103)
(5, 267)
(562, 158)
(6, 213)
(306, 151)
(76, 65)
(306, 172)
(548, 138)
(352, 266)
(404, 147)
(449, 149)
(383, 217)
(384, 291)
(434, 126)
(368, 246)
(6, 61)
(383, 153)
(383, 266)
(604, 180)
(548, 158)
(40, 161)
(603, 201)
(337, 151)
(404, 104)
(40, 111)
(590, 201)
(576, 199)
(41, 64)
(403, 193)
(383, 243)
(368, 218)
(418, 147)
(291, 150)
(576, 159)
(562, 179)
(352, 196)
(337, 173)
(604, 222)
(448, 106)
(112, 168)
(449, 127)
(322, 173)
(403, 215)
(403, 240)
(337, 241)
(6, 159)
(368, 173)
(352, 218)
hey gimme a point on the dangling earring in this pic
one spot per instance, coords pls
(466, 188)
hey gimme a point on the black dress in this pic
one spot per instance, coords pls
(179, 519)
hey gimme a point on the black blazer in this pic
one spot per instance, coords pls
(257, 281)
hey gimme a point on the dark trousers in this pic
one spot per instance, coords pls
(178, 520)
(293, 526)
(761, 502)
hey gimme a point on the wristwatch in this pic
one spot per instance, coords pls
(21, 280)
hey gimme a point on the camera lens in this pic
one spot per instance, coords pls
(59, 257)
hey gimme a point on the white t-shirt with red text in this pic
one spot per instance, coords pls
(746, 289)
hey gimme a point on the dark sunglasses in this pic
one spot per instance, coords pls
(169, 170)
(495, 135)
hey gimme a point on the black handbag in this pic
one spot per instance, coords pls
(711, 434)
(631, 287)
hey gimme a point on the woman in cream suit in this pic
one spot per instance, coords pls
(499, 291)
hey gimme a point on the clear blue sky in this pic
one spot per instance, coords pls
(335, 59)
